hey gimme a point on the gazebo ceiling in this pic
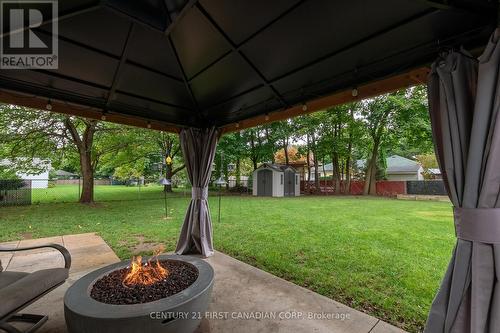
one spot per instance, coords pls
(219, 62)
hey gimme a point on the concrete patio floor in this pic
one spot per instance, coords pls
(239, 290)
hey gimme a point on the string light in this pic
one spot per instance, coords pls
(49, 105)
(355, 92)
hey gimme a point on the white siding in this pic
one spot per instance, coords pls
(420, 176)
(278, 183)
(37, 181)
(402, 177)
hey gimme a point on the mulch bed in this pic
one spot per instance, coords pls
(110, 289)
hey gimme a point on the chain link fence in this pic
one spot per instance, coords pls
(40, 191)
(15, 192)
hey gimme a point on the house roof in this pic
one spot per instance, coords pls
(399, 164)
(63, 173)
(395, 165)
(168, 64)
(434, 171)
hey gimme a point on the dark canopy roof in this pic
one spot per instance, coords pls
(218, 62)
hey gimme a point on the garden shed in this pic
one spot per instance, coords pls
(275, 180)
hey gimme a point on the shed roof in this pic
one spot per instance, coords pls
(168, 64)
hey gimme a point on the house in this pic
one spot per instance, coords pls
(61, 174)
(232, 181)
(38, 178)
(325, 170)
(398, 168)
(401, 168)
(275, 180)
(434, 173)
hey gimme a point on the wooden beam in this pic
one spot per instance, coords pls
(390, 84)
(37, 102)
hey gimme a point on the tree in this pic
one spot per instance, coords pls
(293, 155)
(282, 131)
(170, 148)
(29, 133)
(232, 148)
(309, 127)
(258, 145)
(392, 119)
(427, 161)
(7, 173)
(340, 132)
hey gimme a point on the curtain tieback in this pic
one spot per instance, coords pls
(200, 193)
(477, 224)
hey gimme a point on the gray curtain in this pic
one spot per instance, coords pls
(464, 104)
(198, 147)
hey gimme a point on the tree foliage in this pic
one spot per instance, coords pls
(367, 130)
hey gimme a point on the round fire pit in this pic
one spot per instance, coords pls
(92, 305)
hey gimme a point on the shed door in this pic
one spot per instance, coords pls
(265, 183)
(289, 183)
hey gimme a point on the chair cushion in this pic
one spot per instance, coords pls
(28, 287)
(7, 278)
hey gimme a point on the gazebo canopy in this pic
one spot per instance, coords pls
(169, 64)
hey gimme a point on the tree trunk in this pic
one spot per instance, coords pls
(285, 151)
(238, 172)
(266, 131)
(371, 171)
(347, 185)
(308, 161)
(87, 166)
(316, 173)
(348, 166)
(87, 195)
(254, 154)
(336, 173)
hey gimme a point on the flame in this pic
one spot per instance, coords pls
(144, 274)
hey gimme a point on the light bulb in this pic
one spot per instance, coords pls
(355, 92)
(49, 105)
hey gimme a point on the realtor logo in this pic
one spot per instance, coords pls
(28, 34)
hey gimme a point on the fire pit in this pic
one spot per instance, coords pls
(166, 293)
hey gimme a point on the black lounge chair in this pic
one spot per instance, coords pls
(19, 289)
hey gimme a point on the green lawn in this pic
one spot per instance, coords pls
(70, 193)
(385, 257)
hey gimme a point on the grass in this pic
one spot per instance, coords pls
(381, 256)
(70, 193)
